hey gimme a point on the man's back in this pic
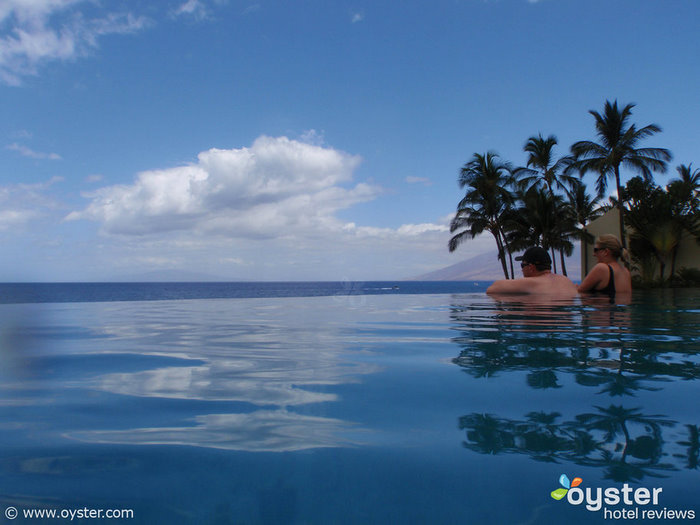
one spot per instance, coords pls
(546, 283)
(537, 277)
(552, 284)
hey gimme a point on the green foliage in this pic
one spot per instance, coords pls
(618, 147)
(688, 277)
(658, 218)
(544, 204)
(486, 203)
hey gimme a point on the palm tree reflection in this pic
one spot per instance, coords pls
(613, 349)
(627, 444)
(693, 445)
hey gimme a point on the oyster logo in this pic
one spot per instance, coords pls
(566, 484)
(633, 502)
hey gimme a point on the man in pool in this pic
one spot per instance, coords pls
(537, 277)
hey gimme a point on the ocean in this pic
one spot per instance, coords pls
(345, 403)
(158, 291)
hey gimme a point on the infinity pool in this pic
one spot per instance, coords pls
(351, 409)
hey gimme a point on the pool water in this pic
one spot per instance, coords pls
(434, 408)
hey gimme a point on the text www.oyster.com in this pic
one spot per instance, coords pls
(12, 513)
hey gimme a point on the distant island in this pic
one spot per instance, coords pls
(484, 267)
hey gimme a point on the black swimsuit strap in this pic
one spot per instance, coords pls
(610, 288)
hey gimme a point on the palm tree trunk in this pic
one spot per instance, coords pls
(563, 264)
(620, 208)
(674, 254)
(501, 253)
(585, 252)
(662, 267)
(510, 254)
(554, 260)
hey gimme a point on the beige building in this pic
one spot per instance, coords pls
(688, 252)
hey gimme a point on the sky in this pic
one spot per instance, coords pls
(302, 140)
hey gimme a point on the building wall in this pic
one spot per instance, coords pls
(688, 252)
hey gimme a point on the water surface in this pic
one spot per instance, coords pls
(347, 408)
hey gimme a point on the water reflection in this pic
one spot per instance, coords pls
(234, 372)
(618, 351)
(260, 431)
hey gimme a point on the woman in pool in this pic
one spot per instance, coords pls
(608, 277)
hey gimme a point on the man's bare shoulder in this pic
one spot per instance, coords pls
(562, 279)
(547, 284)
(512, 286)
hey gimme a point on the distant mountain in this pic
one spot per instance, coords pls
(487, 267)
(484, 267)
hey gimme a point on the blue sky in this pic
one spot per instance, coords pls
(313, 140)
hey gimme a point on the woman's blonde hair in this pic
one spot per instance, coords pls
(612, 243)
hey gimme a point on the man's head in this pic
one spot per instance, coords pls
(536, 257)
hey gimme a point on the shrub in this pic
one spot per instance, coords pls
(688, 277)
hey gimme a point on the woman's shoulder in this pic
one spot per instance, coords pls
(600, 267)
(620, 268)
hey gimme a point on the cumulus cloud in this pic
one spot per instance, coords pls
(276, 187)
(311, 136)
(40, 31)
(274, 210)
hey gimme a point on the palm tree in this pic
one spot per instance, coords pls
(583, 209)
(541, 166)
(542, 169)
(688, 187)
(535, 221)
(657, 223)
(566, 230)
(684, 197)
(485, 204)
(618, 147)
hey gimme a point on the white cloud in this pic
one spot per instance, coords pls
(277, 187)
(402, 232)
(193, 8)
(418, 180)
(357, 17)
(39, 31)
(268, 211)
(418, 229)
(27, 152)
(311, 136)
(23, 203)
(28, 10)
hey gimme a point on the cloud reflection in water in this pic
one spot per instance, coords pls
(246, 352)
(261, 431)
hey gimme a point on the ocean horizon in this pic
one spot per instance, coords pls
(50, 292)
